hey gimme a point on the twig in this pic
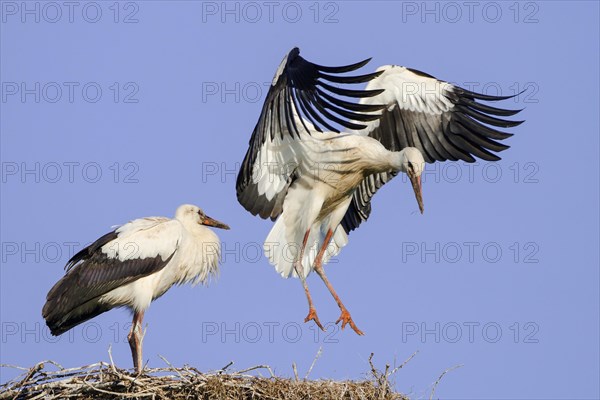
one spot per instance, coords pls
(404, 363)
(110, 357)
(384, 381)
(175, 369)
(14, 366)
(440, 378)
(295, 371)
(313, 363)
(373, 369)
(115, 393)
(257, 367)
(32, 371)
(225, 367)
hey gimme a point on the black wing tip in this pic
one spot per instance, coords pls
(349, 79)
(373, 93)
(300, 89)
(52, 320)
(493, 157)
(467, 101)
(293, 53)
(512, 124)
(486, 97)
(342, 68)
(352, 93)
(510, 112)
(505, 147)
(56, 330)
(250, 206)
(59, 322)
(420, 73)
(506, 123)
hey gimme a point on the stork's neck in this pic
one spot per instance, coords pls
(397, 160)
(188, 223)
(389, 161)
(375, 158)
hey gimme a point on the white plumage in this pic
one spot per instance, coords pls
(328, 167)
(318, 183)
(409, 91)
(132, 266)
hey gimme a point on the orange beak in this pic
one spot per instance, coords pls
(416, 184)
(208, 221)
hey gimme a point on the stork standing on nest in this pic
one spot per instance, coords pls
(132, 266)
(318, 183)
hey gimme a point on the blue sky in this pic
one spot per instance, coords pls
(114, 112)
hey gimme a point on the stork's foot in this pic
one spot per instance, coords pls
(312, 316)
(345, 318)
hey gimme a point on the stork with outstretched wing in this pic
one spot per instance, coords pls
(318, 183)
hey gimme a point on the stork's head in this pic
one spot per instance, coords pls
(413, 163)
(192, 213)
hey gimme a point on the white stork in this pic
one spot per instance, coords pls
(318, 183)
(132, 266)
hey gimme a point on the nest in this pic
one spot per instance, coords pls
(48, 380)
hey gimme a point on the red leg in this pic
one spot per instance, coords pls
(312, 312)
(345, 316)
(135, 338)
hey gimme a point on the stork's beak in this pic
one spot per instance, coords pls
(208, 221)
(416, 184)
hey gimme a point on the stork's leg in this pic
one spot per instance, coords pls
(135, 337)
(312, 312)
(345, 316)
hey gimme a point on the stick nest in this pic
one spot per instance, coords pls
(48, 380)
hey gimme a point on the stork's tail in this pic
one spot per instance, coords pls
(283, 248)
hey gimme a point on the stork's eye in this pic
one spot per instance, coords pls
(410, 166)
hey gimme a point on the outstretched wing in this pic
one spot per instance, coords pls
(443, 121)
(301, 102)
(136, 249)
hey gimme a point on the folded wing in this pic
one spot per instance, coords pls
(136, 249)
